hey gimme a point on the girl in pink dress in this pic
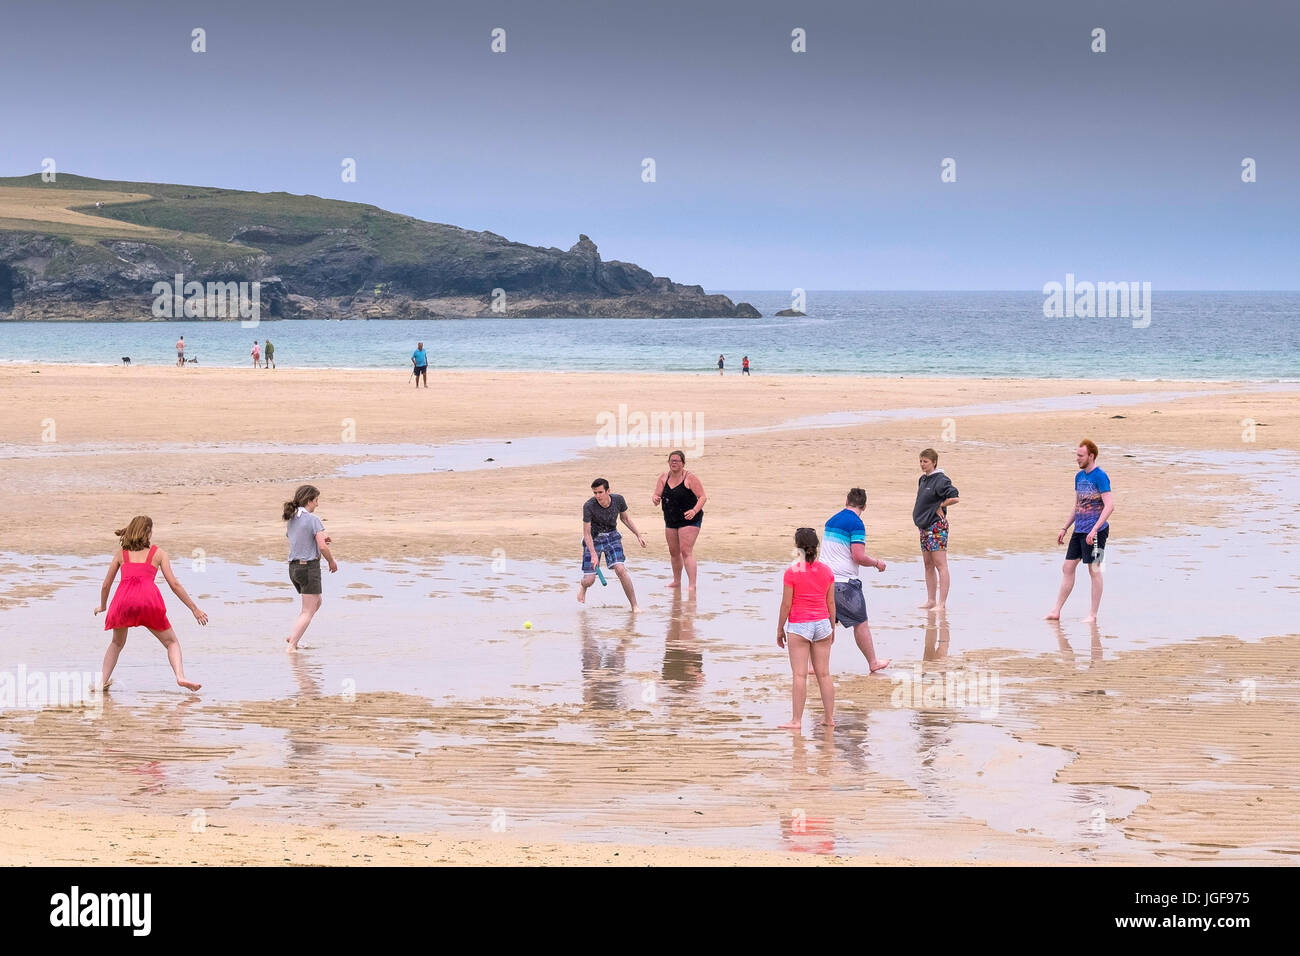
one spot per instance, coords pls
(138, 602)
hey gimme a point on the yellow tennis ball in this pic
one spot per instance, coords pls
(528, 625)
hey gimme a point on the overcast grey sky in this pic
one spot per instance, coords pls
(774, 170)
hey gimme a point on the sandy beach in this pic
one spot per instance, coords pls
(1157, 738)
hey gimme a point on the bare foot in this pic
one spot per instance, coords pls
(691, 588)
(827, 722)
(187, 684)
(792, 725)
(105, 686)
(582, 596)
(1090, 619)
(636, 609)
(1052, 615)
(926, 606)
(880, 665)
(674, 584)
(290, 648)
(940, 607)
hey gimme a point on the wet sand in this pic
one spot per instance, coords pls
(424, 724)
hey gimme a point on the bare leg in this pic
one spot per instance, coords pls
(799, 652)
(110, 656)
(931, 578)
(672, 536)
(821, 659)
(1067, 585)
(862, 635)
(173, 646)
(941, 565)
(310, 605)
(687, 539)
(626, 580)
(1094, 571)
(587, 581)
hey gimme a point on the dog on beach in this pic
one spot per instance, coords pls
(126, 360)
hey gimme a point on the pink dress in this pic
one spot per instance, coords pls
(138, 602)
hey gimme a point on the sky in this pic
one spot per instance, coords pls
(773, 169)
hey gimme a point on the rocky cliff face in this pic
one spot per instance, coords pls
(316, 258)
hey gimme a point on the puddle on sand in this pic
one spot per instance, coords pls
(475, 713)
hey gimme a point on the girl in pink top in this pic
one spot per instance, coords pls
(807, 625)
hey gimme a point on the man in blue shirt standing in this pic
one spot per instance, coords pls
(420, 359)
(1092, 507)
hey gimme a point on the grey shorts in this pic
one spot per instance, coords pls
(850, 604)
(305, 577)
(809, 630)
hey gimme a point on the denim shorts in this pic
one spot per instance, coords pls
(809, 630)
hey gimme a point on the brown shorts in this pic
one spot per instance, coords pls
(305, 577)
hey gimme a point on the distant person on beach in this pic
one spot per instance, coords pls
(1092, 507)
(600, 516)
(420, 360)
(682, 496)
(138, 602)
(307, 542)
(744, 365)
(935, 493)
(257, 355)
(806, 626)
(845, 552)
(721, 362)
(180, 351)
(270, 354)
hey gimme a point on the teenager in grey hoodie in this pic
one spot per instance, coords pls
(935, 492)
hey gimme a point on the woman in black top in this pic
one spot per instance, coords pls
(682, 497)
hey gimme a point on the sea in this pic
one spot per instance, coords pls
(1203, 336)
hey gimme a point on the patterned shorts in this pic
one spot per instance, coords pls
(608, 543)
(935, 537)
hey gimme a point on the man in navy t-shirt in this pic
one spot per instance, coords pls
(420, 359)
(1092, 508)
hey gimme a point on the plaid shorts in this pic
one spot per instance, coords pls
(608, 543)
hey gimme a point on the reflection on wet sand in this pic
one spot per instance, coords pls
(683, 667)
(1067, 652)
(604, 666)
(937, 635)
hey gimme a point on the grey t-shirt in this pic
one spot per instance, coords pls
(603, 519)
(301, 533)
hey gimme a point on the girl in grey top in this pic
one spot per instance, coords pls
(307, 543)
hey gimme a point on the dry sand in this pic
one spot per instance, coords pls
(1015, 471)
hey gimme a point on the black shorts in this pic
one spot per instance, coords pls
(695, 522)
(1080, 549)
(422, 370)
(305, 577)
(850, 604)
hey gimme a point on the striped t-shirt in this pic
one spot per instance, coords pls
(843, 530)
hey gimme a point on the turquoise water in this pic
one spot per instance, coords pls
(1192, 335)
